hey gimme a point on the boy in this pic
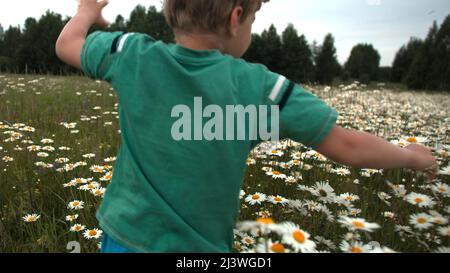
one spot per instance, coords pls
(179, 195)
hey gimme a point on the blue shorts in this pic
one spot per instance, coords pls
(111, 246)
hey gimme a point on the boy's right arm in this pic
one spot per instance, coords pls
(70, 42)
(363, 150)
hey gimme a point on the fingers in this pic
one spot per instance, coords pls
(103, 3)
(431, 172)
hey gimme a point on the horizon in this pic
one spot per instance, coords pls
(387, 25)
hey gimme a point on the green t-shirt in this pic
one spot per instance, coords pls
(170, 195)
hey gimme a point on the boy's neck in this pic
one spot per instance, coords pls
(200, 41)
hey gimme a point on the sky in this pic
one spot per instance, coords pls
(387, 24)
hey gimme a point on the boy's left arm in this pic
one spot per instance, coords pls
(70, 42)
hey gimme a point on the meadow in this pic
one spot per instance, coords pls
(59, 137)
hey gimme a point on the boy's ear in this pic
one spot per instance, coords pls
(235, 20)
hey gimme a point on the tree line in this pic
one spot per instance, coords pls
(420, 64)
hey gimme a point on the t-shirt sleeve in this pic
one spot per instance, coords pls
(100, 53)
(304, 117)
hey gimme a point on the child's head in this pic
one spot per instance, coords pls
(231, 20)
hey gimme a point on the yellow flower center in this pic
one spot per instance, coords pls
(349, 198)
(356, 249)
(299, 236)
(418, 200)
(265, 220)
(77, 228)
(412, 140)
(278, 199)
(276, 173)
(421, 220)
(442, 189)
(75, 204)
(256, 197)
(278, 248)
(358, 224)
(92, 232)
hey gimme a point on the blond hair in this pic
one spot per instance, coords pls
(205, 15)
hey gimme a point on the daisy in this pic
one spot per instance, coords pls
(7, 159)
(326, 242)
(79, 181)
(341, 171)
(92, 233)
(97, 169)
(442, 250)
(251, 161)
(354, 212)
(352, 237)
(31, 218)
(42, 154)
(278, 200)
(107, 177)
(256, 198)
(316, 155)
(241, 194)
(71, 218)
(275, 153)
(69, 125)
(276, 175)
(98, 192)
(388, 214)
(62, 160)
(312, 205)
(421, 200)
(416, 140)
(445, 171)
(348, 198)
(89, 187)
(33, 148)
(420, 221)
(324, 192)
(265, 214)
(292, 180)
(437, 218)
(295, 162)
(379, 249)
(262, 225)
(355, 224)
(443, 153)
(297, 238)
(88, 155)
(355, 247)
(48, 148)
(270, 246)
(441, 188)
(444, 231)
(248, 240)
(47, 141)
(110, 159)
(76, 205)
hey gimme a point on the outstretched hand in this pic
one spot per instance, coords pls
(93, 9)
